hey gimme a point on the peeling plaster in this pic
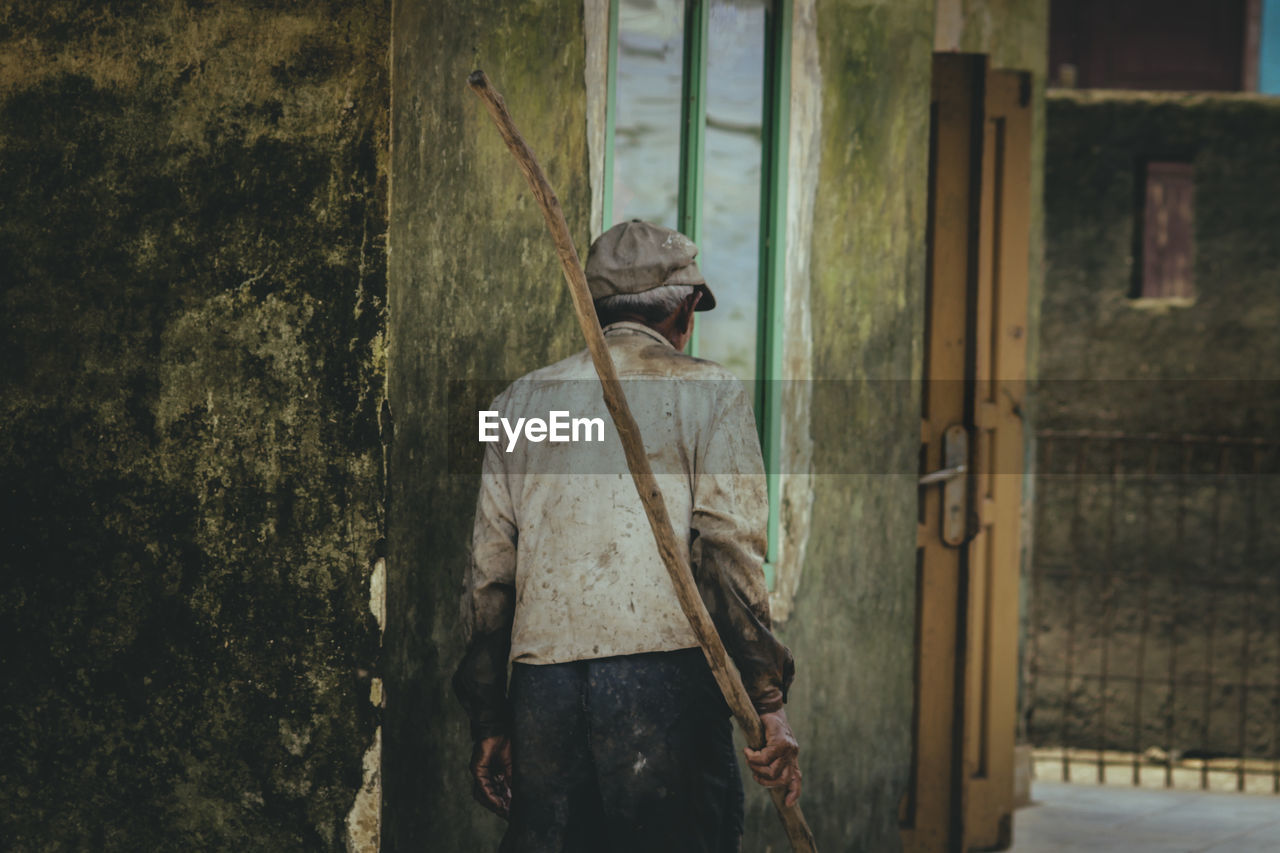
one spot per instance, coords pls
(364, 822)
(378, 594)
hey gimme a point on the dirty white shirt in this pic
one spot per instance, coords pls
(561, 536)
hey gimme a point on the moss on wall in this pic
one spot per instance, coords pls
(191, 238)
(476, 293)
(852, 625)
(1111, 363)
(1168, 560)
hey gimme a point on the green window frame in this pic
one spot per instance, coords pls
(773, 208)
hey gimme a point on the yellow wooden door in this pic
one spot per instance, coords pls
(961, 796)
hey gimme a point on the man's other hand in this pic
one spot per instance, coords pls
(777, 764)
(491, 774)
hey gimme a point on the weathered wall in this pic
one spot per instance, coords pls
(852, 621)
(1112, 363)
(475, 292)
(1162, 578)
(192, 204)
(1155, 617)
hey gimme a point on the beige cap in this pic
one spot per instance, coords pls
(635, 256)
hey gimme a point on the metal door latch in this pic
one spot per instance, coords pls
(955, 491)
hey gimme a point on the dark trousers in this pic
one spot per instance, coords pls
(623, 754)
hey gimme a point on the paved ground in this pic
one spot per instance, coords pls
(1078, 818)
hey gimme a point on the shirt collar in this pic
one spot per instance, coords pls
(637, 328)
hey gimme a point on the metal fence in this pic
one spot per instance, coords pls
(1153, 632)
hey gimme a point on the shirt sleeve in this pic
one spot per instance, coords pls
(727, 549)
(488, 604)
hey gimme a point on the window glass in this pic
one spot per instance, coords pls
(646, 135)
(730, 240)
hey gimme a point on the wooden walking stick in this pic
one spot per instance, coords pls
(674, 555)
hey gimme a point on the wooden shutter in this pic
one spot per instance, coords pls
(1168, 240)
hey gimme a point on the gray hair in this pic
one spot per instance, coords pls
(653, 305)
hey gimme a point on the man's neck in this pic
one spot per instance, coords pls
(666, 328)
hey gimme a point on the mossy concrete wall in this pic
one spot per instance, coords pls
(476, 292)
(852, 618)
(1152, 570)
(192, 209)
(1109, 362)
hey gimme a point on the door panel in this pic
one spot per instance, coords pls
(998, 388)
(930, 811)
(967, 594)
